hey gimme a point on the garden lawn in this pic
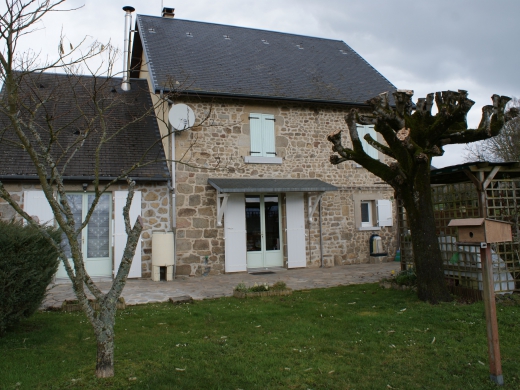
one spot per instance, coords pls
(354, 337)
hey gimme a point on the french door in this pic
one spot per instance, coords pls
(96, 238)
(263, 228)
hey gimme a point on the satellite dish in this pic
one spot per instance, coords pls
(181, 117)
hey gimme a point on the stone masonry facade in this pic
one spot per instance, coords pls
(217, 148)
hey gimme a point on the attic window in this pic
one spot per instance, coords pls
(265, 42)
(151, 30)
(189, 35)
(300, 46)
(227, 37)
(41, 86)
(343, 51)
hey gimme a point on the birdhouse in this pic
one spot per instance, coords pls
(482, 230)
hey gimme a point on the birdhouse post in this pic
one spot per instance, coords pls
(484, 231)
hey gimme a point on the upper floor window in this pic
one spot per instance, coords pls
(263, 148)
(369, 149)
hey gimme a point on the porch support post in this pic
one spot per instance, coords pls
(221, 206)
(312, 205)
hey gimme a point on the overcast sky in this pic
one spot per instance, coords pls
(426, 46)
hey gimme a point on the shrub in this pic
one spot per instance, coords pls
(278, 286)
(406, 278)
(27, 265)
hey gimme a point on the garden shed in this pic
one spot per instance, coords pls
(473, 190)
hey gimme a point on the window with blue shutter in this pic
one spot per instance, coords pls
(369, 149)
(261, 128)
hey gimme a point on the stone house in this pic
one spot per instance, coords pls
(252, 184)
(68, 110)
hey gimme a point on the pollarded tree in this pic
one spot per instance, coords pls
(413, 136)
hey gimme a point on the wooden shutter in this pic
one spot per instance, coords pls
(35, 203)
(372, 152)
(235, 234)
(296, 255)
(261, 128)
(268, 143)
(384, 213)
(120, 235)
(255, 130)
(362, 131)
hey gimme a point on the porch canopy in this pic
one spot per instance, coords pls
(227, 186)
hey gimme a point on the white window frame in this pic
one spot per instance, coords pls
(370, 206)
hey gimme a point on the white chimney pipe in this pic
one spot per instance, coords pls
(125, 86)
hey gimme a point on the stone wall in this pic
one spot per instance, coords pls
(217, 149)
(155, 205)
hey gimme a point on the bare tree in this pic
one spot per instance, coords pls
(413, 136)
(503, 147)
(51, 119)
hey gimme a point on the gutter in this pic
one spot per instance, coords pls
(80, 178)
(261, 97)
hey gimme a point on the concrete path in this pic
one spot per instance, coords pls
(145, 291)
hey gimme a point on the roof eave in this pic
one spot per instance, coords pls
(80, 178)
(261, 97)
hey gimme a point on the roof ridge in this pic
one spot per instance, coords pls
(242, 27)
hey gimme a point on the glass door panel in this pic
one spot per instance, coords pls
(98, 228)
(272, 223)
(253, 224)
(76, 206)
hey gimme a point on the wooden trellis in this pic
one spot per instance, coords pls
(458, 197)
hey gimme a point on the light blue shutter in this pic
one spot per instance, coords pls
(361, 134)
(372, 152)
(35, 204)
(235, 234)
(296, 243)
(120, 235)
(255, 129)
(268, 136)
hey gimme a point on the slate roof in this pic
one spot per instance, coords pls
(220, 60)
(270, 185)
(69, 109)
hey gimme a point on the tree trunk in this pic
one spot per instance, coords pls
(104, 329)
(431, 284)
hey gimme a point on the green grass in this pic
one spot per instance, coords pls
(355, 337)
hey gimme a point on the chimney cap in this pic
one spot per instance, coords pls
(128, 8)
(168, 12)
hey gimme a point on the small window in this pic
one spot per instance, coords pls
(369, 149)
(372, 213)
